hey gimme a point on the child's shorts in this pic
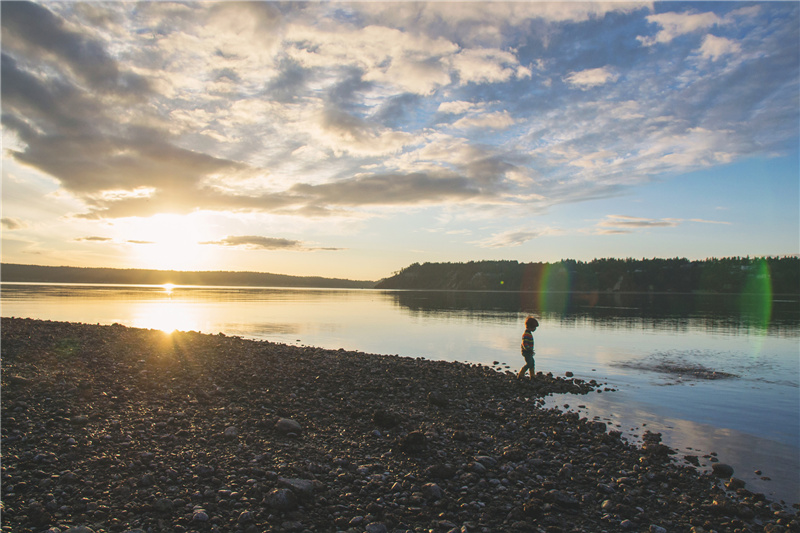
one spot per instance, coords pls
(528, 358)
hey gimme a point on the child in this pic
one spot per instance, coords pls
(527, 347)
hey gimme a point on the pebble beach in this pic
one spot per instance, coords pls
(116, 429)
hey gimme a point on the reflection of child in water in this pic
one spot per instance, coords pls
(527, 347)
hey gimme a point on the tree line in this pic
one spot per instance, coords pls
(725, 275)
(64, 274)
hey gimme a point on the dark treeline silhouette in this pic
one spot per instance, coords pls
(49, 274)
(726, 275)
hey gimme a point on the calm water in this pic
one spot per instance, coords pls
(647, 347)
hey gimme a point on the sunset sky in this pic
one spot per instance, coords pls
(353, 139)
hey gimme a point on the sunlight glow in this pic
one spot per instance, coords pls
(167, 316)
(167, 242)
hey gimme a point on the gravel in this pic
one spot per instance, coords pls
(109, 428)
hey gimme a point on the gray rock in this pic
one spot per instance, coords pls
(376, 527)
(281, 500)
(432, 491)
(163, 505)
(287, 425)
(302, 487)
(231, 432)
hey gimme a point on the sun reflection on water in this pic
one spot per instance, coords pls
(167, 315)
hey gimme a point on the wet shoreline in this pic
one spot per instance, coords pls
(116, 429)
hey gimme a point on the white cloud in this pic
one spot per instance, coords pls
(457, 107)
(676, 24)
(482, 65)
(496, 121)
(593, 77)
(714, 47)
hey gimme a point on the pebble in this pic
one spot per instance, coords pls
(379, 452)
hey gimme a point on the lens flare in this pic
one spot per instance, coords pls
(756, 299)
(554, 289)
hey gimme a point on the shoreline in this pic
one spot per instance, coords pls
(116, 428)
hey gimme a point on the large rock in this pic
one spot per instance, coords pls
(722, 470)
(281, 500)
(287, 425)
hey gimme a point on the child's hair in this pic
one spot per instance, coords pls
(531, 323)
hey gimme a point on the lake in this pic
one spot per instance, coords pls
(717, 375)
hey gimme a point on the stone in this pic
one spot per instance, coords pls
(163, 505)
(281, 500)
(376, 527)
(301, 487)
(438, 399)
(287, 425)
(432, 491)
(414, 442)
(385, 419)
(231, 432)
(722, 470)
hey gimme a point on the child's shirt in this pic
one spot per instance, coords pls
(527, 342)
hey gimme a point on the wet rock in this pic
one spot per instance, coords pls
(722, 470)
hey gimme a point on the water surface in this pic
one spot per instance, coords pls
(658, 353)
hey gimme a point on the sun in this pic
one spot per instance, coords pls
(167, 242)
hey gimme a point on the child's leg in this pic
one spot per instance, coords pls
(521, 373)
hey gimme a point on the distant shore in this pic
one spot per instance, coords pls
(116, 429)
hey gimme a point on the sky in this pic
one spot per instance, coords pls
(353, 139)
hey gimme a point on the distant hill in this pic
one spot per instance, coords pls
(62, 274)
(781, 275)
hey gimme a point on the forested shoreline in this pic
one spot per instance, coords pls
(64, 274)
(778, 275)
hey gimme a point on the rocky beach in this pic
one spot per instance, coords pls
(110, 428)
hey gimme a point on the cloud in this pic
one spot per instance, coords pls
(254, 242)
(12, 223)
(622, 221)
(484, 65)
(497, 121)
(618, 224)
(94, 239)
(36, 31)
(714, 47)
(586, 79)
(674, 25)
(458, 107)
(313, 109)
(512, 238)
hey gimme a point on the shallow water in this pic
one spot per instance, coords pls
(656, 351)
